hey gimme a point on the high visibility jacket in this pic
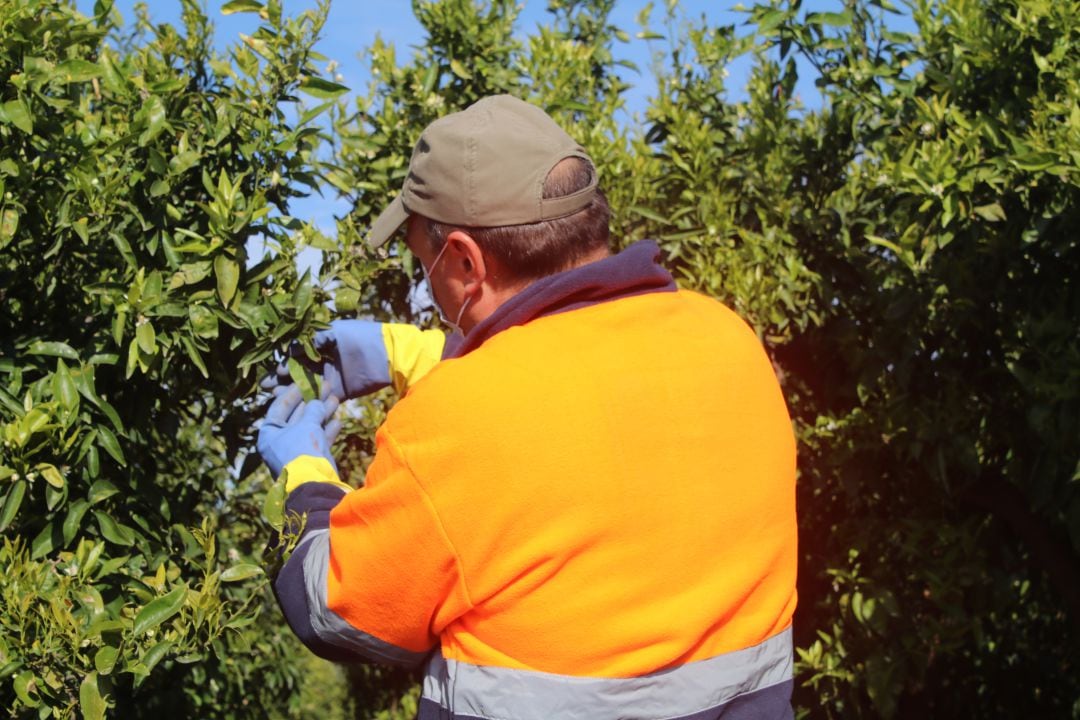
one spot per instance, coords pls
(587, 512)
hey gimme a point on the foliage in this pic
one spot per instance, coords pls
(142, 175)
(939, 393)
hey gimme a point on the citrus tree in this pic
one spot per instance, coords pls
(938, 392)
(146, 272)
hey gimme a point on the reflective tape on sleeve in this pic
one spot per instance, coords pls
(329, 626)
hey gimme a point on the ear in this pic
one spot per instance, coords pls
(467, 260)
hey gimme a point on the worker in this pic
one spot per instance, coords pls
(583, 504)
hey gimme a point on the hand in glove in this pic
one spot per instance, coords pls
(362, 356)
(293, 428)
(354, 360)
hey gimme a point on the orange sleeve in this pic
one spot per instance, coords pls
(392, 573)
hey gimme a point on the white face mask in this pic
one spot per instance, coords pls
(456, 324)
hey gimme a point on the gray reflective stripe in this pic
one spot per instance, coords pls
(497, 693)
(328, 625)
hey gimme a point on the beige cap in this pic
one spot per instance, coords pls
(485, 167)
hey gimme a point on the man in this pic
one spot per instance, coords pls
(586, 509)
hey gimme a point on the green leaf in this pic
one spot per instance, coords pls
(51, 475)
(159, 610)
(17, 113)
(770, 20)
(14, 406)
(110, 444)
(105, 659)
(132, 359)
(320, 88)
(114, 78)
(991, 213)
(47, 540)
(308, 382)
(146, 337)
(76, 510)
(155, 654)
(93, 459)
(647, 213)
(255, 355)
(241, 6)
(113, 531)
(346, 299)
(12, 503)
(1034, 161)
(124, 247)
(9, 223)
(273, 508)
(110, 412)
(26, 689)
(314, 112)
(110, 566)
(344, 182)
(57, 349)
(302, 294)
(240, 572)
(227, 273)
(460, 70)
(63, 386)
(153, 113)
(81, 229)
(431, 77)
(856, 606)
(190, 273)
(71, 71)
(91, 703)
(194, 354)
(100, 490)
(834, 19)
(888, 244)
(203, 321)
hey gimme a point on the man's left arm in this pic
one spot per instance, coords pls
(359, 357)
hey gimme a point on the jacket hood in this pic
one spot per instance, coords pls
(634, 271)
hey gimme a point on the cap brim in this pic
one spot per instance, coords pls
(388, 222)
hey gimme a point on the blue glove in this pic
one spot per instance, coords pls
(354, 360)
(293, 428)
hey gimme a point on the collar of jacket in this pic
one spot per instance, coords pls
(634, 271)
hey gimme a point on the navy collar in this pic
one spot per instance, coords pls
(634, 271)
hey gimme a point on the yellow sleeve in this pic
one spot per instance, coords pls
(411, 352)
(310, 468)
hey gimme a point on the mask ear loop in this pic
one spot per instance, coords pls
(456, 325)
(428, 271)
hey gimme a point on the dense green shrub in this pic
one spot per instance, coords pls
(139, 174)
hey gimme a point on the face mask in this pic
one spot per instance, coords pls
(456, 324)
